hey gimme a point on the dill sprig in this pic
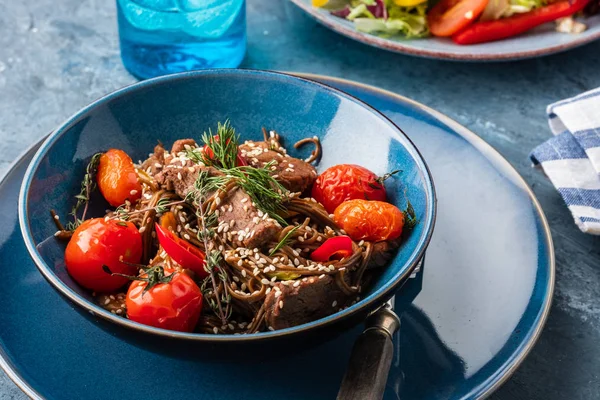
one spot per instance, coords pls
(196, 155)
(265, 191)
(221, 148)
(123, 213)
(88, 185)
(284, 241)
(213, 260)
(410, 217)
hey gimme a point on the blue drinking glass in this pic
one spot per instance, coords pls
(160, 37)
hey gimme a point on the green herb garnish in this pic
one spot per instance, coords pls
(284, 241)
(88, 185)
(221, 148)
(410, 217)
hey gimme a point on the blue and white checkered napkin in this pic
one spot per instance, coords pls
(571, 159)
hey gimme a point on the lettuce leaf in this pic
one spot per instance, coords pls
(410, 22)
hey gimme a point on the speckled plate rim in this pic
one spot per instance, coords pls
(399, 47)
(493, 156)
(370, 302)
(494, 381)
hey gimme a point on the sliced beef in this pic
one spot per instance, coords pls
(314, 298)
(181, 176)
(180, 144)
(383, 253)
(155, 162)
(251, 228)
(294, 174)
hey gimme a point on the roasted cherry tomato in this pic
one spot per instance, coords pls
(97, 242)
(450, 16)
(117, 178)
(346, 182)
(181, 251)
(173, 301)
(334, 248)
(374, 221)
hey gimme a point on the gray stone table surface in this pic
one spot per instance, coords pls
(58, 55)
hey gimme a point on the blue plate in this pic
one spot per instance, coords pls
(486, 293)
(540, 41)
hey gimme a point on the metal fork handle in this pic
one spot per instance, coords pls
(371, 358)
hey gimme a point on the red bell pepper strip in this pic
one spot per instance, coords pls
(489, 31)
(181, 251)
(336, 247)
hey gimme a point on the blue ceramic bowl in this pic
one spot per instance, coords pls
(184, 105)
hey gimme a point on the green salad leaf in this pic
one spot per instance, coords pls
(410, 22)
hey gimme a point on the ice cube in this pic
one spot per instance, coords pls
(152, 15)
(211, 20)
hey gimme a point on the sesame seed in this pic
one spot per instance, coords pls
(192, 169)
(245, 208)
(142, 229)
(244, 273)
(277, 292)
(334, 303)
(268, 291)
(216, 330)
(232, 223)
(186, 236)
(256, 271)
(240, 263)
(296, 284)
(179, 175)
(291, 165)
(361, 242)
(119, 311)
(264, 281)
(322, 276)
(245, 199)
(271, 328)
(230, 326)
(217, 200)
(107, 301)
(280, 304)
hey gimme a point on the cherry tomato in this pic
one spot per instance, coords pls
(117, 178)
(450, 16)
(346, 182)
(335, 248)
(174, 303)
(97, 242)
(181, 251)
(374, 221)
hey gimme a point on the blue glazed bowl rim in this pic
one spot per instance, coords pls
(367, 304)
